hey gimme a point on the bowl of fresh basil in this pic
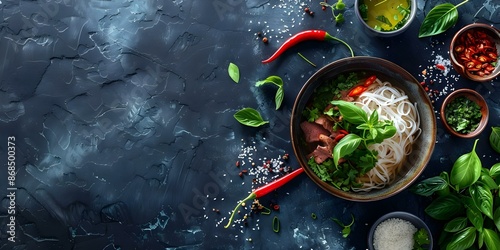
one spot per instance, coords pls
(357, 130)
(386, 18)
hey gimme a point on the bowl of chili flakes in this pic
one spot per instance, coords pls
(474, 52)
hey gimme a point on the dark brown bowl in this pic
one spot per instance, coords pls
(473, 96)
(460, 66)
(414, 164)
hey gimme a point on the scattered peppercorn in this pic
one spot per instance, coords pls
(307, 10)
(276, 207)
(265, 40)
(286, 156)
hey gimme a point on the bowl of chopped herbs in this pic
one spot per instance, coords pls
(357, 130)
(464, 113)
(386, 18)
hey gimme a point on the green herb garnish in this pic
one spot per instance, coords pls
(249, 117)
(463, 115)
(280, 93)
(346, 229)
(384, 19)
(276, 224)
(234, 72)
(338, 6)
(421, 238)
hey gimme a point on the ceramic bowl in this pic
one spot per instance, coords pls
(473, 96)
(410, 18)
(416, 221)
(414, 163)
(461, 60)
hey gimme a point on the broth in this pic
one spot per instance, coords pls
(385, 15)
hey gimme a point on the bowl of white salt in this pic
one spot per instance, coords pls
(399, 230)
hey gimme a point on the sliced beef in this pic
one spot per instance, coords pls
(312, 131)
(324, 150)
(326, 122)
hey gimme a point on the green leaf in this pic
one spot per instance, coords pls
(466, 169)
(249, 117)
(234, 72)
(383, 19)
(491, 239)
(421, 237)
(462, 240)
(428, 186)
(495, 139)
(456, 224)
(385, 132)
(346, 146)
(495, 170)
(483, 199)
(278, 99)
(496, 218)
(276, 80)
(351, 112)
(475, 217)
(438, 20)
(373, 118)
(444, 207)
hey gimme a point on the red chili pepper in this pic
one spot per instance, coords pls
(339, 137)
(306, 35)
(343, 131)
(440, 66)
(261, 191)
(356, 91)
(370, 80)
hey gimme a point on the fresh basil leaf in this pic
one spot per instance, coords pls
(276, 80)
(483, 199)
(491, 239)
(346, 146)
(444, 207)
(456, 224)
(466, 169)
(463, 240)
(249, 117)
(438, 20)
(385, 132)
(278, 99)
(234, 72)
(495, 139)
(475, 216)
(383, 19)
(351, 112)
(373, 118)
(428, 186)
(495, 170)
(496, 218)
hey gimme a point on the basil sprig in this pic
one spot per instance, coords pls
(470, 205)
(371, 130)
(280, 93)
(439, 19)
(249, 117)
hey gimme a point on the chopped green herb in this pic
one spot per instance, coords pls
(463, 115)
(346, 229)
(313, 216)
(421, 238)
(276, 224)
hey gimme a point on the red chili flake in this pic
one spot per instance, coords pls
(440, 66)
(244, 171)
(240, 174)
(237, 163)
(422, 83)
(276, 207)
(426, 89)
(307, 10)
(286, 156)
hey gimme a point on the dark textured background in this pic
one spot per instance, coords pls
(122, 113)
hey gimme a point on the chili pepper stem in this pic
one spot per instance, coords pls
(249, 197)
(330, 37)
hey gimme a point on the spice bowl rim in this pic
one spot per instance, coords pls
(459, 67)
(411, 18)
(413, 219)
(473, 96)
(423, 147)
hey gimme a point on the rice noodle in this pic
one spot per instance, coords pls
(391, 104)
